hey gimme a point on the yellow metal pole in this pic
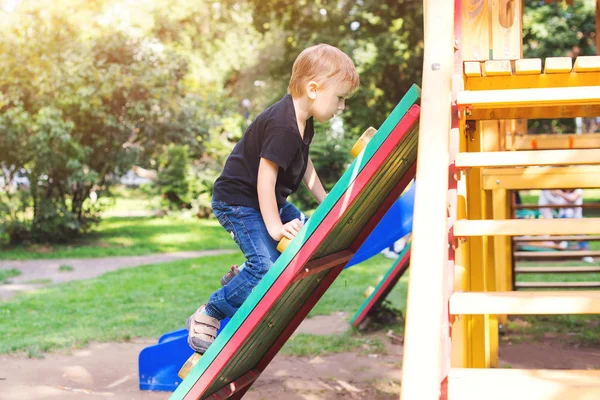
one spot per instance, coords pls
(502, 247)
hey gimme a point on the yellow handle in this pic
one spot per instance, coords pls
(283, 244)
(362, 141)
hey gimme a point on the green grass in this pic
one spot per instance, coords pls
(573, 330)
(5, 274)
(127, 200)
(65, 268)
(150, 300)
(132, 236)
(307, 345)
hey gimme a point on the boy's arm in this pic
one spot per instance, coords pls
(267, 178)
(313, 183)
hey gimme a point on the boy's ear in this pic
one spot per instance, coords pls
(311, 89)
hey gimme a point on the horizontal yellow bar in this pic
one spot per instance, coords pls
(556, 141)
(525, 303)
(522, 81)
(530, 384)
(542, 112)
(527, 158)
(582, 177)
(556, 270)
(557, 285)
(584, 95)
(517, 227)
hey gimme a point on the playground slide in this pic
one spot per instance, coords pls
(384, 287)
(312, 261)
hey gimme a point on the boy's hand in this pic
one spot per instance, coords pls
(288, 230)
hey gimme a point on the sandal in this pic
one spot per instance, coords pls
(233, 272)
(202, 330)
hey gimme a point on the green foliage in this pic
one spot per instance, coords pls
(385, 39)
(84, 95)
(173, 178)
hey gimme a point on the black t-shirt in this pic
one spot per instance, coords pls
(273, 135)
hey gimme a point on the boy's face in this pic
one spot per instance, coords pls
(329, 100)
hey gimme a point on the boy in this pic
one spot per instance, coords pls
(264, 168)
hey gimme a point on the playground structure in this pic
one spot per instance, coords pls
(476, 89)
(469, 163)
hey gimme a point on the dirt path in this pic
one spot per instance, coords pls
(109, 371)
(36, 274)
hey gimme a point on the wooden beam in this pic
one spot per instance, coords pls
(530, 384)
(531, 80)
(535, 206)
(558, 65)
(323, 263)
(540, 112)
(424, 356)
(527, 158)
(557, 285)
(472, 68)
(557, 141)
(528, 66)
(517, 227)
(582, 177)
(525, 303)
(544, 238)
(510, 98)
(497, 68)
(556, 270)
(587, 64)
(476, 30)
(507, 43)
(557, 254)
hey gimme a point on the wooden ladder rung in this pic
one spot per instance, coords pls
(556, 270)
(572, 238)
(518, 227)
(525, 303)
(522, 384)
(557, 141)
(557, 285)
(563, 177)
(527, 158)
(557, 254)
(528, 98)
(592, 206)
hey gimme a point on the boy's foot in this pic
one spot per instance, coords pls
(202, 330)
(233, 272)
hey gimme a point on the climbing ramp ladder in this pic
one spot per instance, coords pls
(311, 262)
(461, 262)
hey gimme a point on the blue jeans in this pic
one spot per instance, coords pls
(247, 228)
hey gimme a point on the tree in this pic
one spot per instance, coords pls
(76, 110)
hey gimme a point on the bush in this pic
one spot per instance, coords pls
(173, 183)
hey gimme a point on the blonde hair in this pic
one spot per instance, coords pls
(323, 63)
